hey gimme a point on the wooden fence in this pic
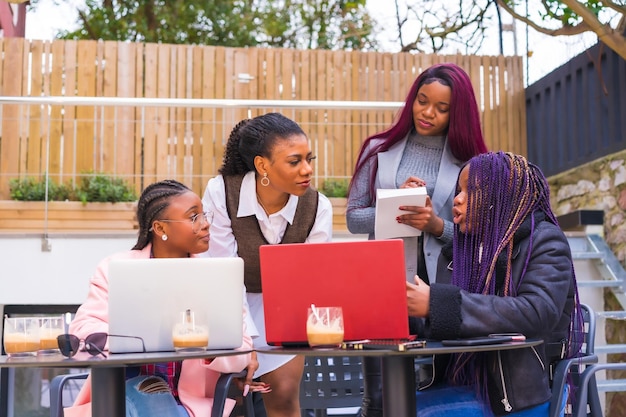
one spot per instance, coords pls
(144, 143)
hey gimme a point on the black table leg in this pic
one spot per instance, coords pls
(108, 391)
(399, 386)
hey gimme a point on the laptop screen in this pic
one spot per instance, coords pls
(147, 295)
(366, 278)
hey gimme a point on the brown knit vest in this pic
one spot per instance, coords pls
(248, 232)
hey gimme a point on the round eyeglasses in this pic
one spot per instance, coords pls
(197, 220)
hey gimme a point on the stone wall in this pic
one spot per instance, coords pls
(600, 185)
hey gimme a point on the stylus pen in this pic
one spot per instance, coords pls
(515, 337)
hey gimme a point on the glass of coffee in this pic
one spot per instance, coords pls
(50, 329)
(190, 332)
(324, 326)
(21, 336)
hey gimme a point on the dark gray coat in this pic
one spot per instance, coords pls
(541, 310)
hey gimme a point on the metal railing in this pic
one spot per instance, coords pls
(146, 139)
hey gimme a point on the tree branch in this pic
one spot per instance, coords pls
(562, 31)
(86, 25)
(619, 8)
(613, 38)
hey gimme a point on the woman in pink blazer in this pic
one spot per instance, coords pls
(171, 225)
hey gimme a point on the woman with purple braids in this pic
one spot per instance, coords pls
(436, 131)
(509, 270)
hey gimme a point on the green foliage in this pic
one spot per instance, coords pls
(91, 187)
(222, 22)
(29, 189)
(335, 187)
(102, 188)
(310, 24)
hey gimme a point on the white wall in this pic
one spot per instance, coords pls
(29, 275)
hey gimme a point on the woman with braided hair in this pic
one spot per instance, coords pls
(171, 225)
(262, 196)
(508, 270)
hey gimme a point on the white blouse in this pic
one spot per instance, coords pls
(222, 242)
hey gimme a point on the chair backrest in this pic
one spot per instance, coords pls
(589, 322)
(571, 370)
(588, 388)
(331, 382)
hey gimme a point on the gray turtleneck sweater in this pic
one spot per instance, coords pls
(421, 158)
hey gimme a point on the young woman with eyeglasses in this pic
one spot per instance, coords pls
(263, 195)
(171, 225)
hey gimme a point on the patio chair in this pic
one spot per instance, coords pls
(573, 368)
(330, 382)
(222, 390)
(588, 388)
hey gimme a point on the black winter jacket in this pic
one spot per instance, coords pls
(518, 379)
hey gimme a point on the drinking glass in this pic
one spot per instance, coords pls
(21, 336)
(50, 329)
(324, 326)
(190, 333)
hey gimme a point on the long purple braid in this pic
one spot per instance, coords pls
(503, 190)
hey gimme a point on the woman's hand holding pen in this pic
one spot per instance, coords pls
(421, 218)
(418, 298)
(413, 182)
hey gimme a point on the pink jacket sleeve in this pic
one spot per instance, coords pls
(196, 385)
(93, 315)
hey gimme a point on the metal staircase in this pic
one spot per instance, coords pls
(597, 269)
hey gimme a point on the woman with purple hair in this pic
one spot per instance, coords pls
(436, 131)
(509, 270)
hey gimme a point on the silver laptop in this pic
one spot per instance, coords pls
(145, 296)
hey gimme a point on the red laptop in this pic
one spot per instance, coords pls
(366, 278)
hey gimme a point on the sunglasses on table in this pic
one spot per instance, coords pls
(94, 344)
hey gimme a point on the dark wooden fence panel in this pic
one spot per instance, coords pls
(577, 113)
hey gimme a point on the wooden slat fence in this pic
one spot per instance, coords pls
(146, 143)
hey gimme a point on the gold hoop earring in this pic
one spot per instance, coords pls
(164, 237)
(265, 181)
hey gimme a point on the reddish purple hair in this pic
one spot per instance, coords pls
(465, 137)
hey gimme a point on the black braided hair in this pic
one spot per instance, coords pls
(255, 137)
(153, 200)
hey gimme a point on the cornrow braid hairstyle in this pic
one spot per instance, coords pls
(154, 198)
(255, 137)
(503, 191)
(233, 163)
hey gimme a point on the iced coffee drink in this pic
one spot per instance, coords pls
(324, 327)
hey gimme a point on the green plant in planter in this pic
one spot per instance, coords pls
(103, 188)
(30, 189)
(90, 187)
(335, 187)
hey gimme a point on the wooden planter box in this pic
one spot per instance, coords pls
(339, 213)
(66, 216)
